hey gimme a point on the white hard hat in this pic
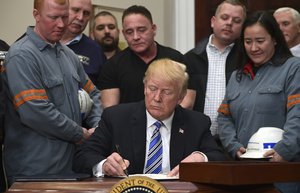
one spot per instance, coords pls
(85, 103)
(2, 55)
(261, 141)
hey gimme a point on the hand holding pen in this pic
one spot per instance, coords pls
(115, 165)
(119, 152)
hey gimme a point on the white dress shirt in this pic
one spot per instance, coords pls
(296, 50)
(165, 132)
(216, 82)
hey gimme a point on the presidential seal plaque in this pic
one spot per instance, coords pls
(138, 184)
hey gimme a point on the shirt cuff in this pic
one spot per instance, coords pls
(97, 169)
(205, 157)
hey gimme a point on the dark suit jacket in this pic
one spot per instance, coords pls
(197, 65)
(125, 124)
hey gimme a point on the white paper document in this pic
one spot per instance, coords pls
(157, 176)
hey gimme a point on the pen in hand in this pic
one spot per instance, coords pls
(119, 152)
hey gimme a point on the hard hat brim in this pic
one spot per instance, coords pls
(254, 155)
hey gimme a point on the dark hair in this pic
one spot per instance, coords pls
(267, 21)
(103, 13)
(137, 9)
(3, 46)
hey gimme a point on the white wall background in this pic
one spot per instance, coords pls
(174, 19)
(15, 16)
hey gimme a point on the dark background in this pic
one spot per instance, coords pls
(205, 9)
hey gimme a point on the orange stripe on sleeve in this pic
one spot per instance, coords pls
(293, 100)
(224, 109)
(89, 86)
(28, 95)
(292, 103)
(293, 96)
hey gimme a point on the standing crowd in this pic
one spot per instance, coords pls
(69, 100)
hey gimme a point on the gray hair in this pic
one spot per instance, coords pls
(295, 14)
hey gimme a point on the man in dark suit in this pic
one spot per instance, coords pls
(185, 134)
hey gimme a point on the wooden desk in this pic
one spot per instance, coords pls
(103, 185)
(241, 176)
(95, 185)
(210, 177)
(239, 173)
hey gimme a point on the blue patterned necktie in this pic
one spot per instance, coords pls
(154, 158)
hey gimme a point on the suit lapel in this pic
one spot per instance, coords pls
(138, 132)
(177, 141)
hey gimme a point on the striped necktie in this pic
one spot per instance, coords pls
(154, 159)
